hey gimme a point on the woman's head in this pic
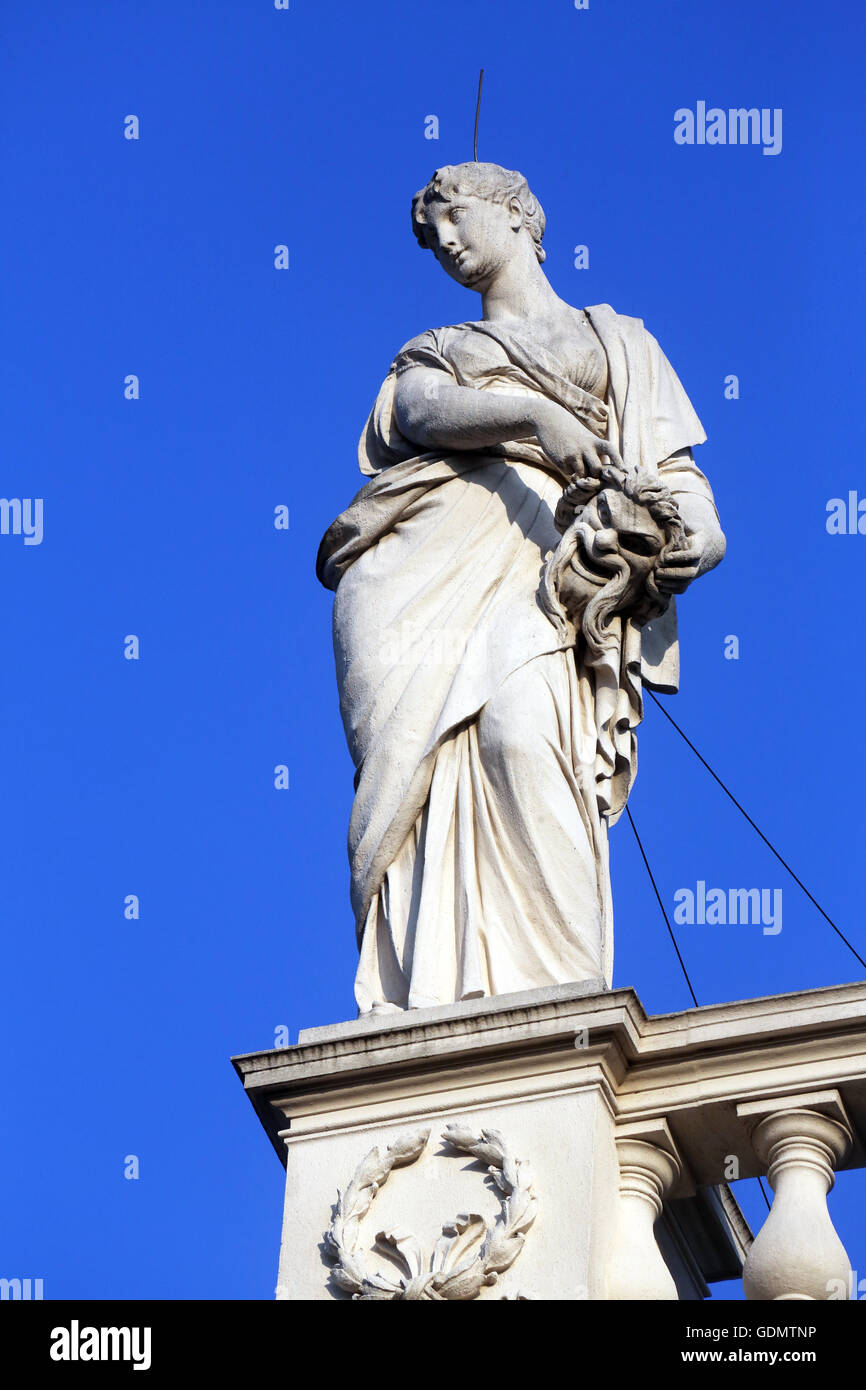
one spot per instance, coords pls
(469, 214)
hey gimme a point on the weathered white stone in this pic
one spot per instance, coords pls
(649, 1167)
(567, 1077)
(468, 1009)
(504, 583)
(802, 1139)
(473, 1251)
(565, 1140)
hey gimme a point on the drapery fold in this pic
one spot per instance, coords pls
(436, 565)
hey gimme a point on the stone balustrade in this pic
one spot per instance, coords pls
(800, 1140)
(633, 1126)
(797, 1254)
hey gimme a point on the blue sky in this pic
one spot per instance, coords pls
(155, 777)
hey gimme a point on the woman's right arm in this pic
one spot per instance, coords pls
(435, 413)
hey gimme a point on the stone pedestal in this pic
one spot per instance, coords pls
(482, 1149)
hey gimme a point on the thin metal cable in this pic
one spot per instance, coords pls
(661, 905)
(676, 947)
(758, 831)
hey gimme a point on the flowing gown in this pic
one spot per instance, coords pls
(491, 751)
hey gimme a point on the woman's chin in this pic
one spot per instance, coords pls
(463, 277)
(470, 276)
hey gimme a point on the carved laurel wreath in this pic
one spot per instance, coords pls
(470, 1253)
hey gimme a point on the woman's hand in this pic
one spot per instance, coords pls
(704, 546)
(680, 567)
(570, 445)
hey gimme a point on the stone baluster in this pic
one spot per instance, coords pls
(797, 1254)
(647, 1171)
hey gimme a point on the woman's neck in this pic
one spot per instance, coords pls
(519, 290)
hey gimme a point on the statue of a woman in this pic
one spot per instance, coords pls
(489, 666)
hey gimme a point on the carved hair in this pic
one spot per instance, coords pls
(646, 490)
(488, 181)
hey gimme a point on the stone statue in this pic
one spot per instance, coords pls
(504, 586)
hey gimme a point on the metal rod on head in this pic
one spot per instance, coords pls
(477, 109)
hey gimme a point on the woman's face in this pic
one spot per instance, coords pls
(471, 238)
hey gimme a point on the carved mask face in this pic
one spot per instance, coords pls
(613, 531)
(471, 238)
